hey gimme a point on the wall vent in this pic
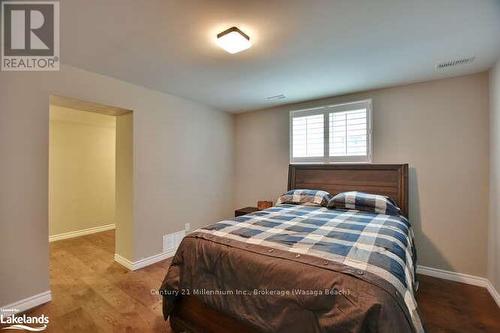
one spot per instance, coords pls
(455, 62)
(276, 97)
(172, 241)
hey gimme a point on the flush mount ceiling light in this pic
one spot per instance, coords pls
(233, 40)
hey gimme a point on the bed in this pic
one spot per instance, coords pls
(297, 268)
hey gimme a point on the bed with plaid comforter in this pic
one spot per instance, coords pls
(337, 270)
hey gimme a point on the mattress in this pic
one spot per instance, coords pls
(297, 268)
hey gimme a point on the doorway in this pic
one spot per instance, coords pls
(91, 177)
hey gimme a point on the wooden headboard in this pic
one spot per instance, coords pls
(385, 179)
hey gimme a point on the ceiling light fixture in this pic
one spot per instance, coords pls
(233, 40)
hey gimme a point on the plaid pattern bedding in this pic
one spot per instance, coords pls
(365, 201)
(376, 243)
(305, 197)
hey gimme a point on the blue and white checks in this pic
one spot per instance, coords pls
(305, 197)
(376, 243)
(364, 201)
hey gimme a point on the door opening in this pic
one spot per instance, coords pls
(90, 181)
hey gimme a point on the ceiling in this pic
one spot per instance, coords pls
(304, 49)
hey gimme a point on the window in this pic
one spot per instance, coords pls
(331, 134)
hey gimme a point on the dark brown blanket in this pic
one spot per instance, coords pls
(277, 291)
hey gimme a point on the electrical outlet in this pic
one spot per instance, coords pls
(187, 227)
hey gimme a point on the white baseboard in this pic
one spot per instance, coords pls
(494, 293)
(461, 277)
(29, 303)
(82, 232)
(452, 276)
(135, 265)
(124, 262)
(153, 259)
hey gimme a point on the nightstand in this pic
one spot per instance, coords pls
(244, 211)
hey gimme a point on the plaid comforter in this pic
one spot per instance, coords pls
(379, 244)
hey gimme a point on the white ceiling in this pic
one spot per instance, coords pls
(304, 49)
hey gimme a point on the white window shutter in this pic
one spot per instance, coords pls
(349, 133)
(332, 134)
(308, 136)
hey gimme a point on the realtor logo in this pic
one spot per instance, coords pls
(30, 36)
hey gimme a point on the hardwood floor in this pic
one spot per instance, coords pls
(447, 306)
(92, 293)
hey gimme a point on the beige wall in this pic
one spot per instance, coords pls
(124, 241)
(494, 226)
(81, 170)
(440, 128)
(183, 154)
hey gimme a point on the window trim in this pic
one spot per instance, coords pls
(325, 111)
